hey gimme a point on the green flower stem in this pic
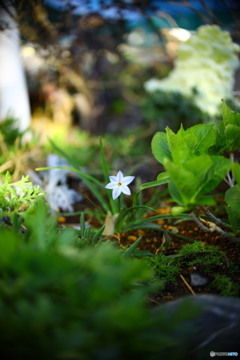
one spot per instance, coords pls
(119, 204)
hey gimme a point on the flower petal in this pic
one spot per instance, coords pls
(125, 189)
(116, 192)
(127, 180)
(120, 177)
(111, 186)
(113, 178)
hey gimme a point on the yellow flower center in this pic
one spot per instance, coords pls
(119, 184)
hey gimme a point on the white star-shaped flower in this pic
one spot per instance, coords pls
(118, 184)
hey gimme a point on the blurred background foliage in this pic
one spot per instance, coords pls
(86, 64)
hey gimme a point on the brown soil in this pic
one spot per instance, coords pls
(155, 242)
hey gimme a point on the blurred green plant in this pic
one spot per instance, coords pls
(172, 109)
(87, 235)
(9, 131)
(87, 303)
(225, 286)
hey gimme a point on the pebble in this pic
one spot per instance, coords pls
(198, 280)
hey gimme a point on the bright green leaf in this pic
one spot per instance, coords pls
(205, 136)
(230, 116)
(160, 148)
(232, 197)
(236, 172)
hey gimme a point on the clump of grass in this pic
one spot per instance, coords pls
(164, 267)
(225, 286)
(206, 256)
(195, 254)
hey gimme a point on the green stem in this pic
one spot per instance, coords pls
(119, 204)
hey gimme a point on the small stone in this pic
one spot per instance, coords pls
(198, 280)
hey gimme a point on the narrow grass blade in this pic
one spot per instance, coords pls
(106, 177)
(82, 224)
(130, 251)
(97, 235)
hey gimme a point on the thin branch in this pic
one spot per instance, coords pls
(230, 180)
(198, 222)
(187, 285)
(215, 219)
(212, 227)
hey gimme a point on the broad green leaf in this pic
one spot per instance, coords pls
(219, 169)
(207, 200)
(184, 181)
(178, 145)
(175, 193)
(234, 218)
(229, 129)
(204, 136)
(190, 176)
(199, 167)
(221, 140)
(196, 178)
(160, 148)
(232, 134)
(232, 197)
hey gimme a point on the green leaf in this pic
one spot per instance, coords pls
(234, 218)
(204, 136)
(230, 116)
(162, 178)
(232, 197)
(232, 134)
(207, 200)
(229, 129)
(184, 179)
(216, 173)
(175, 193)
(178, 144)
(196, 177)
(130, 251)
(98, 233)
(160, 148)
(236, 172)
